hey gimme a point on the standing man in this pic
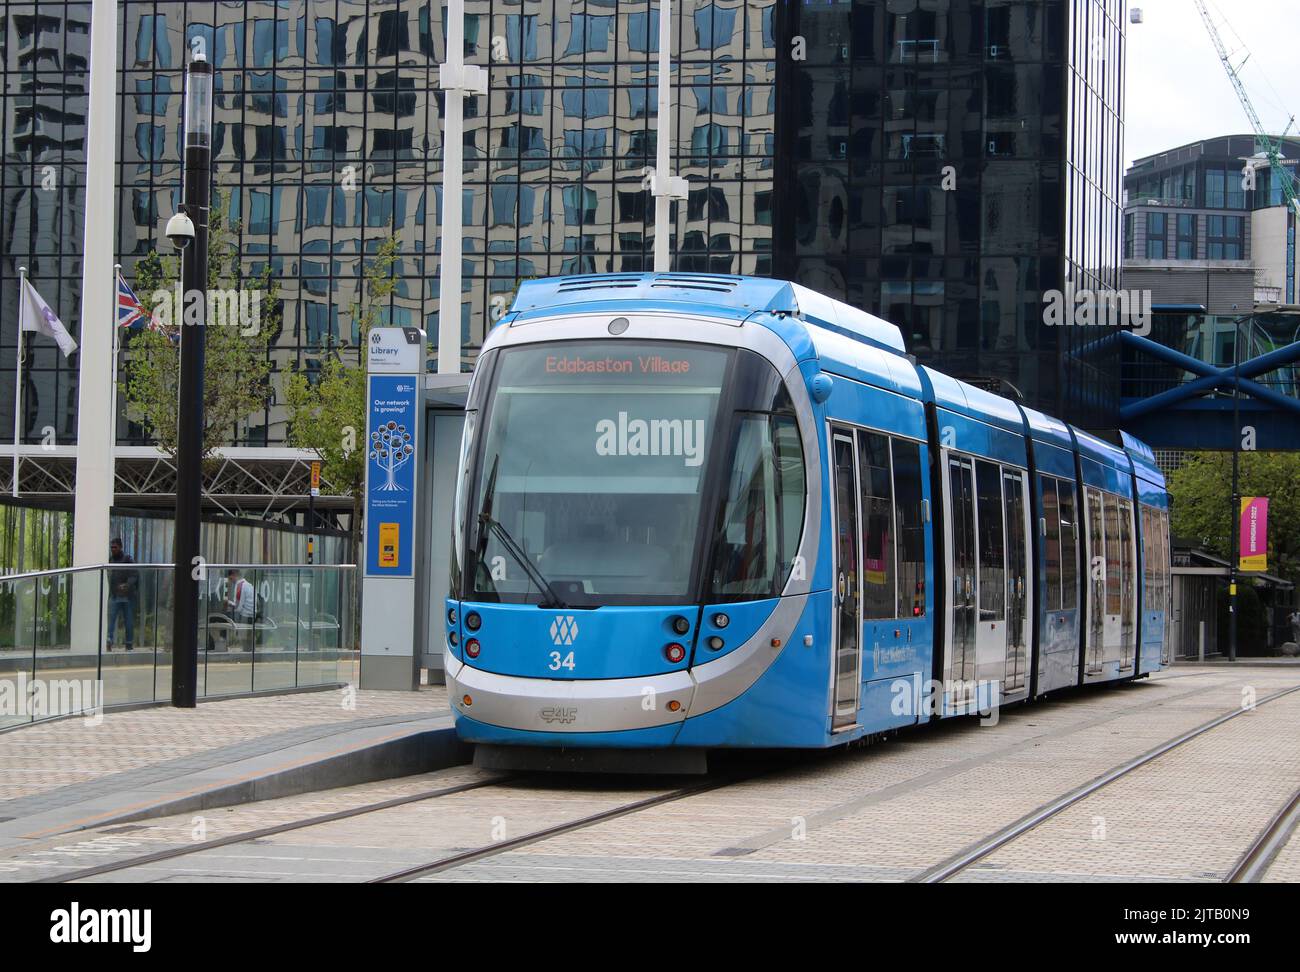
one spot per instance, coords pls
(121, 595)
(241, 603)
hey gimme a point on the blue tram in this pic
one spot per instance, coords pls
(699, 511)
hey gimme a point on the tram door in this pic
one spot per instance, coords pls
(1127, 588)
(848, 615)
(1096, 561)
(1017, 583)
(961, 568)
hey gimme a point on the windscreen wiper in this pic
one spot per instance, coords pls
(507, 541)
(487, 521)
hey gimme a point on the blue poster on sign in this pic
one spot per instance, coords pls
(392, 450)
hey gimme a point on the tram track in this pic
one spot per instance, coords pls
(501, 847)
(243, 837)
(438, 865)
(1253, 864)
(1272, 836)
(1259, 856)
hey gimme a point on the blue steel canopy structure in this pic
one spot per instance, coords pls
(1197, 413)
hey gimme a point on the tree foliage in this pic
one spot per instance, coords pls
(236, 364)
(328, 415)
(1201, 491)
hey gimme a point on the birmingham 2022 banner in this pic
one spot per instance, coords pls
(1254, 533)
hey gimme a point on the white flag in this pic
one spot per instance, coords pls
(35, 315)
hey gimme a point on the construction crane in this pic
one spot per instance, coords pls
(1272, 149)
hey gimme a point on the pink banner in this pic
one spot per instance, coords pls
(1254, 533)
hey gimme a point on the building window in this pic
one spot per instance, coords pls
(1186, 236)
(1156, 236)
(1214, 191)
(1128, 235)
(714, 27)
(1225, 237)
(643, 32)
(588, 34)
(1236, 195)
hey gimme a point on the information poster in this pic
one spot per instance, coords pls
(392, 452)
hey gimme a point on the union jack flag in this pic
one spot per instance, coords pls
(131, 315)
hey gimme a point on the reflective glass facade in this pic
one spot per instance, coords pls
(948, 162)
(44, 64)
(939, 162)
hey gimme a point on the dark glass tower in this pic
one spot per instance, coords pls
(946, 163)
(939, 162)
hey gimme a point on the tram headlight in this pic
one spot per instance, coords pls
(674, 653)
(680, 625)
(720, 620)
(454, 638)
(451, 616)
(472, 647)
(716, 643)
(473, 621)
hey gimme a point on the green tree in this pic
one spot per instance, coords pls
(236, 364)
(328, 415)
(1201, 491)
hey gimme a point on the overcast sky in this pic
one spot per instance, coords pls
(1177, 90)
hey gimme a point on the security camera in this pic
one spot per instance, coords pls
(180, 230)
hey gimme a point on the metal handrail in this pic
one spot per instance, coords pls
(296, 640)
(4, 578)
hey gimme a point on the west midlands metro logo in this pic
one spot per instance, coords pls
(564, 630)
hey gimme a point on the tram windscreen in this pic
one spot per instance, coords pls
(592, 470)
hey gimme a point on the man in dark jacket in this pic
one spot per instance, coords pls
(121, 595)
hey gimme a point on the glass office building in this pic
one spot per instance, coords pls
(948, 163)
(939, 162)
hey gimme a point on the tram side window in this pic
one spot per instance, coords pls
(764, 494)
(992, 549)
(1096, 548)
(1111, 515)
(1069, 551)
(878, 596)
(1128, 571)
(1168, 564)
(790, 490)
(1052, 543)
(1150, 559)
(911, 529)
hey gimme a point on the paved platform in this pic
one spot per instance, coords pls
(884, 812)
(73, 774)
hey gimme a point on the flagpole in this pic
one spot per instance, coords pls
(18, 373)
(112, 440)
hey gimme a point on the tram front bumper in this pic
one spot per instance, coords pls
(569, 705)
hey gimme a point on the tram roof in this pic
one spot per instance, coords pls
(1102, 451)
(731, 296)
(1047, 428)
(965, 399)
(1144, 460)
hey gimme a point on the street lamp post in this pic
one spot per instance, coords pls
(1234, 534)
(190, 418)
